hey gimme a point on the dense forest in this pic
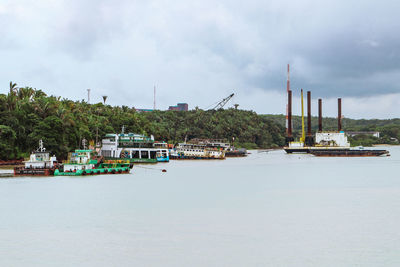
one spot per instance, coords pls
(28, 115)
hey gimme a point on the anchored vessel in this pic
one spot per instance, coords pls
(39, 164)
(81, 162)
(230, 151)
(162, 151)
(356, 152)
(196, 151)
(134, 148)
(329, 144)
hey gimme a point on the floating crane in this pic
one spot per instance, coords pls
(222, 103)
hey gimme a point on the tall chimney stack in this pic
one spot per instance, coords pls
(308, 113)
(339, 114)
(309, 139)
(289, 137)
(320, 115)
(290, 113)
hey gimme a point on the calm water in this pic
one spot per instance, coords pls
(269, 209)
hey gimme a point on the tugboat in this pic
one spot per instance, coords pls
(39, 164)
(81, 162)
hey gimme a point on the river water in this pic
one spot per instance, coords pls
(269, 209)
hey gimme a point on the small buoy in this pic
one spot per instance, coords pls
(164, 170)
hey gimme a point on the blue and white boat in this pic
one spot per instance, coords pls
(162, 151)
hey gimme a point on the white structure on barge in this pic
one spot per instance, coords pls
(331, 139)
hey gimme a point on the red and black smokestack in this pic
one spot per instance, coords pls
(309, 139)
(308, 113)
(289, 137)
(339, 101)
(320, 115)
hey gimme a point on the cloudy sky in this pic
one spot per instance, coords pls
(201, 51)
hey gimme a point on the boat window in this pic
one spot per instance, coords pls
(135, 154)
(145, 154)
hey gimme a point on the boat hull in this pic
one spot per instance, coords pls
(22, 171)
(348, 152)
(302, 150)
(235, 154)
(117, 170)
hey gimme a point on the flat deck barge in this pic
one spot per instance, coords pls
(348, 152)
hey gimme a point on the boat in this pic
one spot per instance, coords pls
(230, 150)
(196, 151)
(135, 148)
(236, 152)
(162, 151)
(327, 143)
(39, 164)
(83, 162)
(350, 152)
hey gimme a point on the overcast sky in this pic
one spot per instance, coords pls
(201, 51)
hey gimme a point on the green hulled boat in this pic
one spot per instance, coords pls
(84, 162)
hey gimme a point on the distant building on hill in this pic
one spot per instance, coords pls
(180, 107)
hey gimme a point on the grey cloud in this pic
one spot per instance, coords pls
(335, 48)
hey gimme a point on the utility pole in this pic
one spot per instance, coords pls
(88, 96)
(154, 104)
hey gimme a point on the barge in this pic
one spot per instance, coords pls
(326, 143)
(358, 152)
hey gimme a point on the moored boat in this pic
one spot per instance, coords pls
(134, 148)
(82, 162)
(230, 150)
(347, 152)
(39, 164)
(196, 151)
(162, 151)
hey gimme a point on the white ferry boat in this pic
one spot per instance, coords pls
(135, 148)
(196, 151)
